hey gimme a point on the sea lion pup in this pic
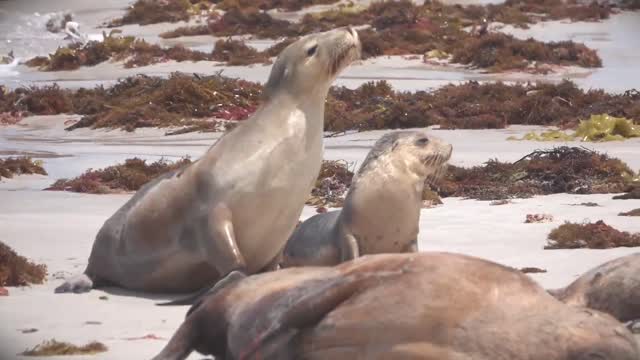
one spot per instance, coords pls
(613, 287)
(381, 211)
(233, 209)
(397, 306)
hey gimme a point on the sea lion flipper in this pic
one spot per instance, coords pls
(306, 305)
(78, 284)
(197, 298)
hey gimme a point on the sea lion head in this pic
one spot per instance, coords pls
(416, 151)
(309, 65)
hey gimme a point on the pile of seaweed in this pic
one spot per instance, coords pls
(403, 28)
(16, 270)
(57, 348)
(191, 101)
(596, 128)
(375, 105)
(145, 12)
(129, 176)
(137, 53)
(634, 212)
(596, 235)
(288, 5)
(560, 170)
(143, 101)
(20, 165)
(332, 184)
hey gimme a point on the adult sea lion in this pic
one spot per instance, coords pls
(233, 209)
(381, 211)
(432, 306)
(613, 287)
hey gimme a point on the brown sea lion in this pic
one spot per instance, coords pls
(234, 209)
(436, 306)
(613, 287)
(381, 211)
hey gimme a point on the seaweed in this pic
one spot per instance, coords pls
(596, 235)
(16, 270)
(472, 105)
(634, 193)
(538, 218)
(634, 212)
(288, 5)
(597, 128)
(135, 52)
(57, 348)
(129, 176)
(234, 52)
(20, 165)
(331, 185)
(559, 170)
(145, 12)
(404, 28)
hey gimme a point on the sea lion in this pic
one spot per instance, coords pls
(381, 211)
(397, 306)
(233, 209)
(613, 287)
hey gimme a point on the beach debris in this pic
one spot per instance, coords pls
(103, 297)
(564, 169)
(538, 218)
(16, 270)
(19, 166)
(4, 291)
(430, 198)
(93, 323)
(128, 176)
(332, 184)
(596, 235)
(146, 337)
(586, 204)
(532, 270)
(28, 331)
(287, 5)
(56, 348)
(10, 118)
(500, 202)
(598, 128)
(321, 210)
(634, 212)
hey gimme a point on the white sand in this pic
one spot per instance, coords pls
(58, 228)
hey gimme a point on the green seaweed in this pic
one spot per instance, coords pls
(598, 128)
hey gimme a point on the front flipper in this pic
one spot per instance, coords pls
(196, 299)
(222, 253)
(77, 284)
(268, 327)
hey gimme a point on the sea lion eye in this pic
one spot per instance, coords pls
(312, 50)
(422, 141)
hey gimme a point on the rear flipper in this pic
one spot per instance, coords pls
(77, 284)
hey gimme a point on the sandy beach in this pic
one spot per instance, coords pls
(58, 228)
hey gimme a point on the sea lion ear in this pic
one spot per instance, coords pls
(277, 76)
